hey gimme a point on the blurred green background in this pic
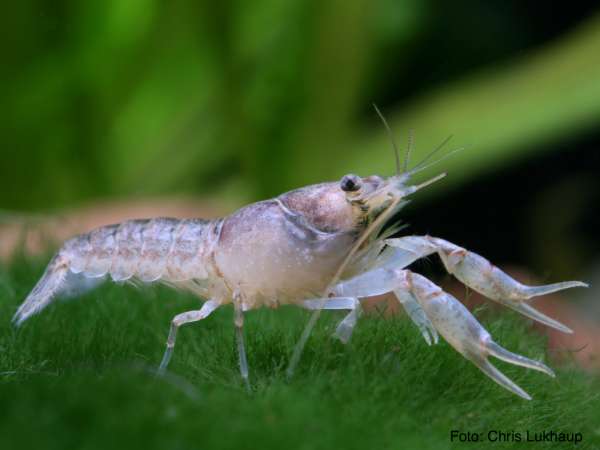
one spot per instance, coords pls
(230, 102)
(238, 101)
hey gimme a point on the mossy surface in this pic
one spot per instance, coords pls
(81, 376)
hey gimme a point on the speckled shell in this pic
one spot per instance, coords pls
(157, 249)
(276, 251)
(287, 249)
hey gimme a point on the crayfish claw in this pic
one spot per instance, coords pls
(529, 311)
(510, 357)
(463, 331)
(491, 371)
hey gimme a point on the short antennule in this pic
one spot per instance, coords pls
(423, 164)
(411, 143)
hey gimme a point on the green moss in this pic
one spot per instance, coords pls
(80, 375)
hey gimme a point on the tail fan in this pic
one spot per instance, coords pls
(44, 291)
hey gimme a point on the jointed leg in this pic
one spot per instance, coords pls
(386, 278)
(181, 319)
(433, 309)
(345, 328)
(480, 275)
(238, 321)
(438, 310)
(462, 330)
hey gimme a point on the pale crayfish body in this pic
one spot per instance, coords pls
(319, 247)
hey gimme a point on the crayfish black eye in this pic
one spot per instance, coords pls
(350, 183)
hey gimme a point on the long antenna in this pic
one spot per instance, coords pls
(389, 131)
(422, 167)
(411, 143)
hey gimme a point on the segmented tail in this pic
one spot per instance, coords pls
(44, 291)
